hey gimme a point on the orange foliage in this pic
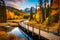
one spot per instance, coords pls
(8, 14)
(54, 6)
(54, 12)
(55, 3)
(3, 35)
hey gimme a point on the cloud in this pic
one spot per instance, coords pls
(13, 4)
(23, 0)
(16, 0)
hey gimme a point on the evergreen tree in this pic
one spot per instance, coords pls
(31, 13)
(3, 17)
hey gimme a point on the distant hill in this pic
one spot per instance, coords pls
(16, 11)
(12, 8)
(13, 13)
(28, 10)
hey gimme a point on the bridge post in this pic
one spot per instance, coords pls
(32, 30)
(28, 28)
(25, 27)
(39, 32)
(48, 29)
(59, 30)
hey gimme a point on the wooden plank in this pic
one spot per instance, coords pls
(45, 34)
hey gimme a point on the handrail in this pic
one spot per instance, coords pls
(43, 33)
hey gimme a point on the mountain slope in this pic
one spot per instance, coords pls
(13, 12)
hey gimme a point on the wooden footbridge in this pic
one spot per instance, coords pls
(35, 30)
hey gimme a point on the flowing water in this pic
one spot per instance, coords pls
(19, 33)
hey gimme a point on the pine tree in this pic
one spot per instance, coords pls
(31, 14)
(3, 17)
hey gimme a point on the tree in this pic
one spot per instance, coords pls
(56, 6)
(31, 13)
(16, 13)
(3, 16)
(26, 16)
(41, 15)
(54, 18)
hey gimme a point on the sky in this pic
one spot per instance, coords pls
(21, 4)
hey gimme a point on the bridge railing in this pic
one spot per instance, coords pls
(39, 31)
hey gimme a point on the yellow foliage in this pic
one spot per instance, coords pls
(16, 17)
(45, 22)
(12, 14)
(38, 15)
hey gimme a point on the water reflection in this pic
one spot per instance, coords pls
(20, 33)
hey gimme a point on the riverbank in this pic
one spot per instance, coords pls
(10, 24)
(5, 36)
